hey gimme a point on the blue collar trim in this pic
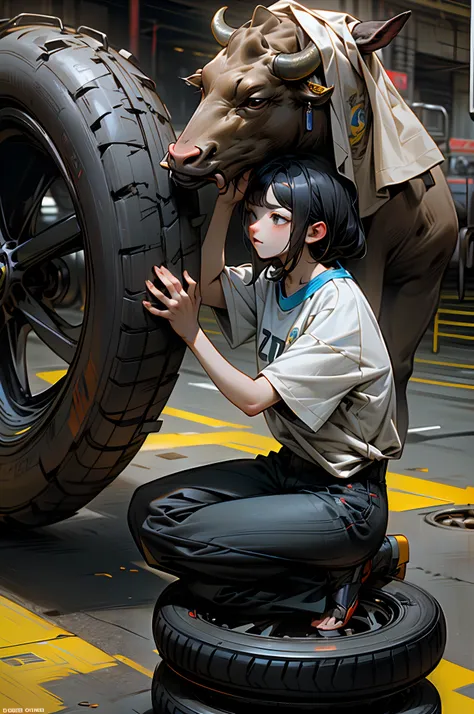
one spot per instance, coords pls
(288, 303)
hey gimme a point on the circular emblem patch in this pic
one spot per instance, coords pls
(293, 335)
(358, 123)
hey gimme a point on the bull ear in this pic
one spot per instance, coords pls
(314, 93)
(372, 36)
(195, 80)
(263, 16)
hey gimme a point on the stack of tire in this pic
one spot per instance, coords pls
(217, 662)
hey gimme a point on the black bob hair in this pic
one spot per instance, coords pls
(313, 191)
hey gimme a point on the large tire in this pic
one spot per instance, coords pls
(171, 694)
(110, 131)
(374, 664)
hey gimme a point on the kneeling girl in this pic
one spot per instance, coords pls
(324, 386)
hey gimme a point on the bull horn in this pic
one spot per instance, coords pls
(297, 65)
(220, 29)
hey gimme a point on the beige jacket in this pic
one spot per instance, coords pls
(391, 148)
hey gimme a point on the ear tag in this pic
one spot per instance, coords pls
(309, 117)
(316, 88)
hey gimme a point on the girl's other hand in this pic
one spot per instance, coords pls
(182, 308)
(234, 192)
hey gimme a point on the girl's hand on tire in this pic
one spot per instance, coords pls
(183, 308)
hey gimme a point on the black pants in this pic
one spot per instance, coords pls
(246, 520)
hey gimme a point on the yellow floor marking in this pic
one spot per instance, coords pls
(23, 685)
(410, 492)
(35, 652)
(261, 444)
(134, 665)
(20, 624)
(399, 501)
(405, 492)
(208, 319)
(241, 447)
(454, 385)
(213, 332)
(430, 489)
(54, 376)
(444, 364)
(449, 677)
(201, 419)
(56, 654)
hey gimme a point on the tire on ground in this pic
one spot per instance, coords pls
(171, 694)
(337, 669)
(111, 131)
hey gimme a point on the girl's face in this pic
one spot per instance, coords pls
(270, 228)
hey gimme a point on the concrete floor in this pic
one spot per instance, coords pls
(84, 578)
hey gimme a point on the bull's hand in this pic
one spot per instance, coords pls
(235, 191)
(182, 307)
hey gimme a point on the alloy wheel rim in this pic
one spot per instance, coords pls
(30, 242)
(370, 616)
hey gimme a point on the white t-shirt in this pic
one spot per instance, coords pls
(323, 352)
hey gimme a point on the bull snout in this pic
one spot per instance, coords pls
(186, 159)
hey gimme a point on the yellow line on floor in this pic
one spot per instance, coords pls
(35, 653)
(444, 364)
(261, 444)
(27, 668)
(22, 626)
(401, 501)
(241, 447)
(405, 492)
(54, 376)
(453, 385)
(430, 489)
(201, 419)
(449, 677)
(134, 665)
(410, 492)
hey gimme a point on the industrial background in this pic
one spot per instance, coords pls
(429, 61)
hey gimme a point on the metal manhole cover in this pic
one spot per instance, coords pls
(457, 518)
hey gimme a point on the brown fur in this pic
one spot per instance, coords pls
(232, 138)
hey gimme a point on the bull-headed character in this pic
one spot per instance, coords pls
(266, 92)
(254, 100)
(257, 93)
